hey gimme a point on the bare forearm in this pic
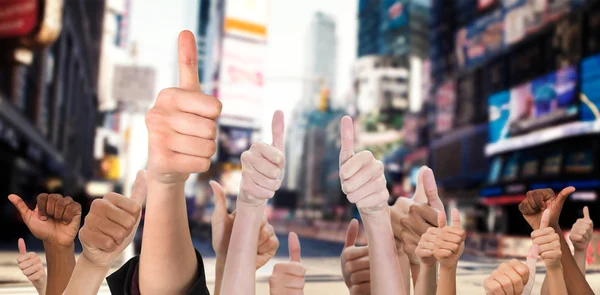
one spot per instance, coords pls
(414, 270)
(385, 268)
(447, 283)
(427, 281)
(40, 287)
(219, 269)
(579, 257)
(571, 272)
(556, 281)
(240, 266)
(87, 278)
(405, 274)
(169, 265)
(61, 262)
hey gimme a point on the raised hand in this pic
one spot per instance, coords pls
(111, 224)
(222, 225)
(263, 166)
(361, 174)
(426, 190)
(55, 219)
(427, 242)
(547, 241)
(582, 231)
(182, 124)
(288, 278)
(32, 267)
(449, 244)
(512, 278)
(540, 200)
(355, 263)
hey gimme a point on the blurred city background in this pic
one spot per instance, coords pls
(498, 97)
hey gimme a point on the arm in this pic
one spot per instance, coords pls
(262, 171)
(87, 277)
(181, 140)
(581, 235)
(447, 282)
(61, 262)
(364, 184)
(580, 257)
(427, 281)
(571, 272)
(382, 254)
(556, 282)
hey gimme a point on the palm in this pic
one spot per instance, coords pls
(51, 229)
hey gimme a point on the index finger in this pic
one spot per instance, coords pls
(347, 134)
(124, 203)
(278, 130)
(22, 247)
(294, 247)
(188, 62)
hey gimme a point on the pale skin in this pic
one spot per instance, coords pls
(109, 228)
(548, 243)
(55, 221)
(513, 277)
(449, 246)
(356, 267)
(32, 267)
(412, 217)
(427, 281)
(181, 140)
(262, 172)
(289, 278)
(581, 236)
(535, 203)
(364, 184)
(222, 225)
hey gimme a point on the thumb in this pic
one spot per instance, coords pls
(564, 194)
(352, 233)
(420, 195)
(220, 199)
(294, 247)
(22, 247)
(456, 218)
(431, 190)
(347, 134)
(278, 130)
(20, 205)
(586, 213)
(140, 189)
(531, 261)
(441, 219)
(545, 219)
(188, 62)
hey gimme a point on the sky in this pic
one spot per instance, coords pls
(155, 25)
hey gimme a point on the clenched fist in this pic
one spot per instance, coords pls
(111, 224)
(361, 174)
(355, 262)
(548, 242)
(426, 246)
(55, 219)
(582, 231)
(32, 267)
(288, 278)
(263, 166)
(450, 242)
(512, 278)
(541, 199)
(182, 124)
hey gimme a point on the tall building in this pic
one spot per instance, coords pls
(48, 101)
(321, 58)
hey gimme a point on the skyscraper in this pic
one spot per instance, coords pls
(321, 58)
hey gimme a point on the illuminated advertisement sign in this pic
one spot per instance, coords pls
(247, 18)
(17, 17)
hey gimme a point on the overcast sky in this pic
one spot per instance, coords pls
(156, 23)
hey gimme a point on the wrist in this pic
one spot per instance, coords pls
(50, 245)
(552, 266)
(245, 206)
(379, 214)
(448, 268)
(90, 265)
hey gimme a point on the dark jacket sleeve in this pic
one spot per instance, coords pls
(125, 281)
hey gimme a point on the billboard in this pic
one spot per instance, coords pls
(18, 17)
(247, 18)
(241, 84)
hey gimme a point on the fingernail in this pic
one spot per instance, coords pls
(65, 222)
(43, 218)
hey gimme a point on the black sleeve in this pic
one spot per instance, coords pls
(125, 280)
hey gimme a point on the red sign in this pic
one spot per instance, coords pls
(17, 17)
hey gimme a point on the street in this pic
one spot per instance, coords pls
(323, 275)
